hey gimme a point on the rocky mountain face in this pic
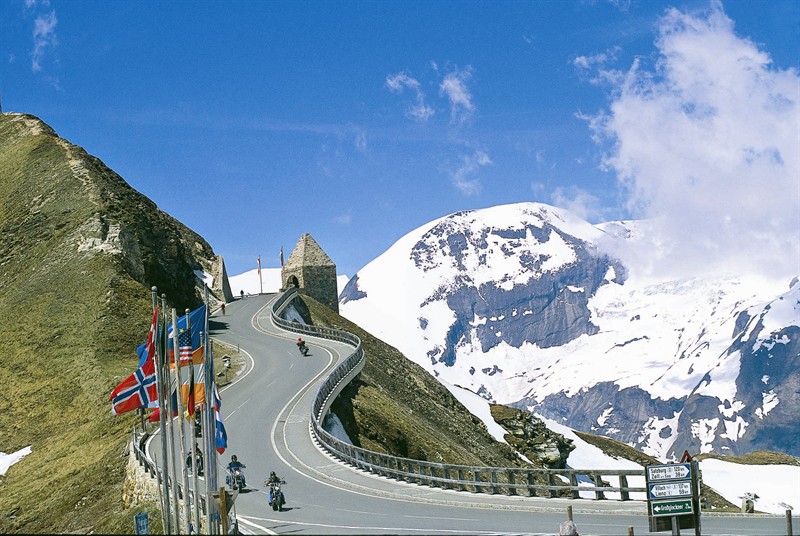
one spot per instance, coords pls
(79, 251)
(521, 305)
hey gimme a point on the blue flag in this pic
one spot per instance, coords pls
(197, 320)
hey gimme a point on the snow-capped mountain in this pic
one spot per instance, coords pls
(527, 305)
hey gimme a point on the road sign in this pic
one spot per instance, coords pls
(141, 523)
(672, 508)
(669, 472)
(681, 488)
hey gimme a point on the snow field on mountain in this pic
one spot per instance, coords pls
(776, 485)
(671, 339)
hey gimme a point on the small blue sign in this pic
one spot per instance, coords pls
(141, 523)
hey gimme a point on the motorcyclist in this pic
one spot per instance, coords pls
(301, 344)
(234, 465)
(273, 478)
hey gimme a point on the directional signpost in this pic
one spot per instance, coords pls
(668, 472)
(667, 490)
(673, 508)
(673, 501)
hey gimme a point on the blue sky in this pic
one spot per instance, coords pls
(255, 122)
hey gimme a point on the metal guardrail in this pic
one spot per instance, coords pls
(492, 480)
(138, 442)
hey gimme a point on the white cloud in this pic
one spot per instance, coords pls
(44, 37)
(454, 87)
(596, 67)
(579, 202)
(419, 110)
(361, 141)
(464, 177)
(706, 145)
(344, 219)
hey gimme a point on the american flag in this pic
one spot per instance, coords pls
(185, 347)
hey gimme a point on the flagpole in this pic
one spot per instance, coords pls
(171, 425)
(208, 434)
(166, 517)
(193, 415)
(260, 281)
(181, 430)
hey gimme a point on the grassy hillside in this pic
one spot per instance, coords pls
(396, 407)
(80, 250)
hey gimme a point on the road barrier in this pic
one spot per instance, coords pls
(138, 445)
(492, 480)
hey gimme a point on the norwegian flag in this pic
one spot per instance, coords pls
(139, 390)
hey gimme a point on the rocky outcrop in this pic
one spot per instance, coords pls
(530, 437)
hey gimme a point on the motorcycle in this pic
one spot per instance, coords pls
(276, 498)
(303, 348)
(235, 479)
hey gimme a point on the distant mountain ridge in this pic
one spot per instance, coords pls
(522, 304)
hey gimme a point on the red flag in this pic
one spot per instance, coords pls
(259, 265)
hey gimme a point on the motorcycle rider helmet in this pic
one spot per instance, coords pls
(234, 458)
(272, 475)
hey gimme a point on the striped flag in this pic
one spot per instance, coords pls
(185, 356)
(185, 347)
(221, 438)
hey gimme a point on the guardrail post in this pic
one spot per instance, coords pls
(477, 478)
(623, 488)
(435, 482)
(598, 482)
(573, 481)
(551, 481)
(493, 476)
(530, 478)
(512, 483)
(461, 484)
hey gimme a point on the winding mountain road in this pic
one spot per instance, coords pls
(266, 410)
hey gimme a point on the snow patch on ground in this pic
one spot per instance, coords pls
(7, 460)
(774, 484)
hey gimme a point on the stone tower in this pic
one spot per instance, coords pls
(312, 272)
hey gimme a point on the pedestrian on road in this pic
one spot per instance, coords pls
(223, 307)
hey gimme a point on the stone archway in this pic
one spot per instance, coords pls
(292, 282)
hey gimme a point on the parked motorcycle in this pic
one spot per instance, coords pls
(276, 498)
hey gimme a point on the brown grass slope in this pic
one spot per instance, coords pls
(79, 251)
(394, 406)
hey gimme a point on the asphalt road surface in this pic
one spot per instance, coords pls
(266, 410)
